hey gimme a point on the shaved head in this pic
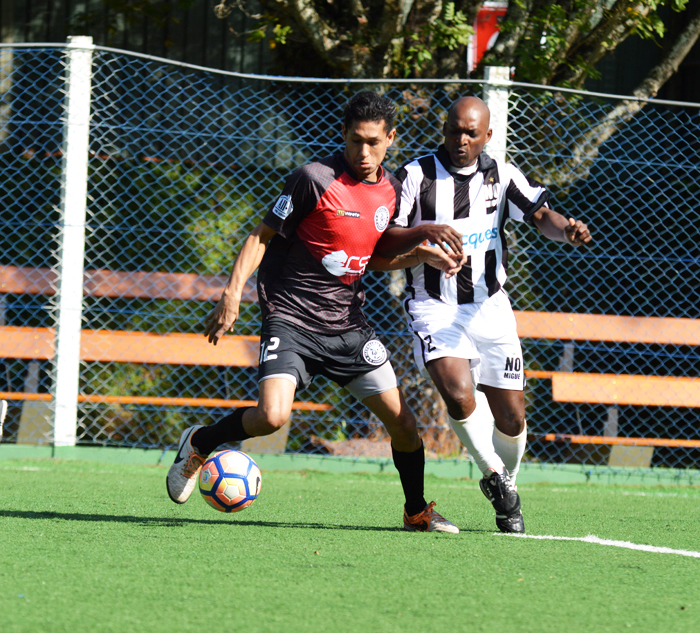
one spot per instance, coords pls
(466, 130)
(469, 103)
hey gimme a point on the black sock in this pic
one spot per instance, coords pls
(229, 429)
(411, 467)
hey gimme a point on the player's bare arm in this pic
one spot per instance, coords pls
(421, 254)
(397, 240)
(224, 316)
(556, 227)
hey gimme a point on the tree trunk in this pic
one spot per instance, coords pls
(587, 145)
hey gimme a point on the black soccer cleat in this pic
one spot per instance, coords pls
(513, 524)
(499, 490)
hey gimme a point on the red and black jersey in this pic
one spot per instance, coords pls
(327, 225)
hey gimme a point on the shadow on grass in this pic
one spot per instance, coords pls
(174, 522)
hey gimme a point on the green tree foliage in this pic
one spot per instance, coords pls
(553, 42)
(363, 38)
(560, 43)
(165, 217)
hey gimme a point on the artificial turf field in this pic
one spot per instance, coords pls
(94, 547)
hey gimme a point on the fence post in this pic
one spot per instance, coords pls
(72, 238)
(496, 93)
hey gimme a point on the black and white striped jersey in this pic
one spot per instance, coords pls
(476, 205)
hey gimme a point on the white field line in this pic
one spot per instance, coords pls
(626, 493)
(601, 541)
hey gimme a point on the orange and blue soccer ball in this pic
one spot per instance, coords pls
(229, 481)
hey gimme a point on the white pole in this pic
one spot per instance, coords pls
(72, 238)
(496, 93)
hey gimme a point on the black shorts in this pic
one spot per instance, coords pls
(285, 348)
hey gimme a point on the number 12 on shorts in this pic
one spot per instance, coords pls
(429, 342)
(267, 347)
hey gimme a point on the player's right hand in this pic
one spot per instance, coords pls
(577, 233)
(221, 319)
(444, 236)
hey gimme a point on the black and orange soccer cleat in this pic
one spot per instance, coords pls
(428, 521)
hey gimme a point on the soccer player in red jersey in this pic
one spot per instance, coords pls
(312, 248)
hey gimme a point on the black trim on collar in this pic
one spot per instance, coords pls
(485, 162)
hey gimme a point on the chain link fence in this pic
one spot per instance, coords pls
(184, 162)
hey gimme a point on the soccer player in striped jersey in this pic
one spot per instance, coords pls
(463, 324)
(313, 246)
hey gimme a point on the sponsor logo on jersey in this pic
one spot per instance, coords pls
(339, 263)
(473, 240)
(283, 207)
(347, 214)
(512, 368)
(374, 352)
(381, 219)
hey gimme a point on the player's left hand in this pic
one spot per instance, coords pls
(437, 258)
(577, 233)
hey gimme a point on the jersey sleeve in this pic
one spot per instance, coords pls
(407, 203)
(524, 196)
(298, 198)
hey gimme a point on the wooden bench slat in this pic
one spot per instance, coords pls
(122, 284)
(657, 391)
(601, 327)
(26, 342)
(160, 400)
(618, 441)
(133, 347)
(168, 349)
(187, 286)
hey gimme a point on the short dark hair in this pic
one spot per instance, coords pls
(369, 106)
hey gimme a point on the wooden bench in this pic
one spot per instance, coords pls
(616, 389)
(242, 351)
(133, 347)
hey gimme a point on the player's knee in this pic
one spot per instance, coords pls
(403, 430)
(512, 424)
(461, 404)
(406, 423)
(271, 420)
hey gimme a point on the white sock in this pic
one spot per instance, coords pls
(476, 433)
(510, 450)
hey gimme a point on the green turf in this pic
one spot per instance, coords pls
(99, 547)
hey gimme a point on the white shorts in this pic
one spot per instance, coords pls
(484, 333)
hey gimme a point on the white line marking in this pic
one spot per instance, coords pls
(601, 541)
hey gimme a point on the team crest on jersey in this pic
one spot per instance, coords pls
(374, 352)
(283, 207)
(381, 218)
